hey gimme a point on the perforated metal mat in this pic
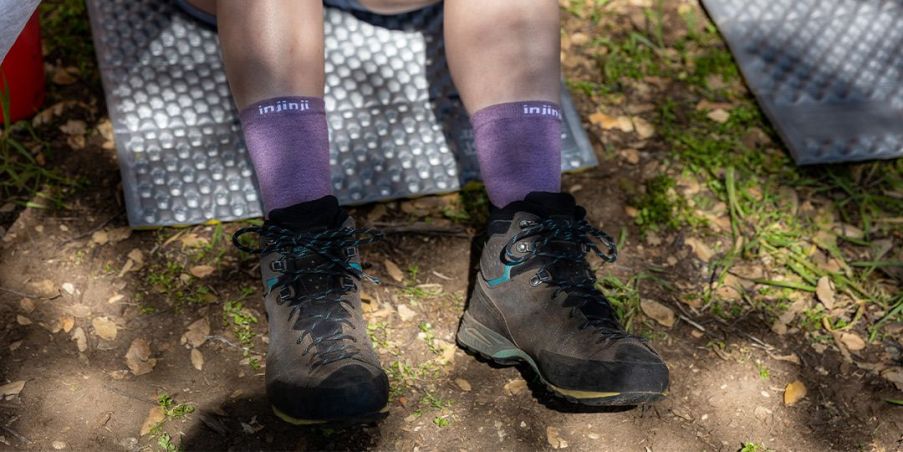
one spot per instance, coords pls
(397, 127)
(828, 73)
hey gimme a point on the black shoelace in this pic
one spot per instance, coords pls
(334, 248)
(578, 281)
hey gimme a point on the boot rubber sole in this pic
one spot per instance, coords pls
(480, 339)
(359, 419)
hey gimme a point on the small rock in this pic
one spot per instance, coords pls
(22, 320)
(59, 445)
(553, 436)
(463, 384)
(100, 237)
(406, 313)
(27, 305)
(69, 288)
(515, 387)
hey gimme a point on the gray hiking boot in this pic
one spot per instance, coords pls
(320, 365)
(535, 301)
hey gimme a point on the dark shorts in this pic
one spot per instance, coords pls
(210, 19)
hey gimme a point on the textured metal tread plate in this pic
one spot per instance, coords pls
(828, 73)
(397, 126)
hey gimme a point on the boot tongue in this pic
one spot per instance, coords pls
(319, 213)
(542, 204)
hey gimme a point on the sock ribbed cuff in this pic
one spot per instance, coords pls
(279, 106)
(536, 109)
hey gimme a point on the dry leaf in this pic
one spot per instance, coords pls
(463, 384)
(852, 341)
(27, 305)
(137, 256)
(718, 115)
(197, 359)
(553, 436)
(643, 128)
(406, 313)
(104, 328)
(393, 270)
(64, 76)
(69, 288)
(515, 387)
(201, 271)
(632, 156)
(22, 320)
(192, 240)
(15, 346)
(138, 358)
(81, 341)
(606, 122)
(702, 251)
(197, 333)
(794, 392)
(116, 298)
(119, 234)
(74, 127)
(12, 389)
(658, 312)
(67, 322)
(824, 290)
(154, 416)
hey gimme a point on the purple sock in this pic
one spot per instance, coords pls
(519, 149)
(288, 141)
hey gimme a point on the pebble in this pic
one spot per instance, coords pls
(58, 445)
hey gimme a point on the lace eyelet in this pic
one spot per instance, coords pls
(526, 223)
(521, 247)
(285, 295)
(278, 265)
(535, 281)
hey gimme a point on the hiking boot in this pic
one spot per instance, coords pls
(320, 365)
(535, 301)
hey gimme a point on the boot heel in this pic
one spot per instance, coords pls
(478, 338)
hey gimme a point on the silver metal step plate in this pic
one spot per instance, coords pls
(397, 126)
(828, 73)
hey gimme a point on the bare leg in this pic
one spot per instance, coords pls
(271, 48)
(503, 50)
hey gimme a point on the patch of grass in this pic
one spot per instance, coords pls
(171, 410)
(241, 321)
(753, 447)
(659, 206)
(429, 337)
(763, 371)
(66, 34)
(22, 172)
(180, 292)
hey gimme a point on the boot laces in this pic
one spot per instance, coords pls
(563, 243)
(326, 275)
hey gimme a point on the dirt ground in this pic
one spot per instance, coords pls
(152, 340)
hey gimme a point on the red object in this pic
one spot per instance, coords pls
(22, 73)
